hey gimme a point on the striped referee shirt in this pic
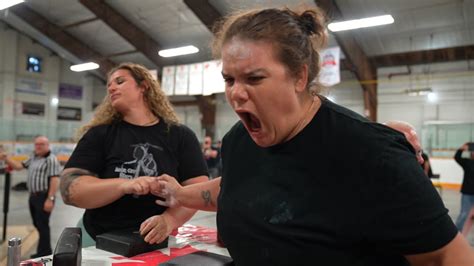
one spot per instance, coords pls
(40, 170)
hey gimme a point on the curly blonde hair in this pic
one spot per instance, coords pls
(154, 97)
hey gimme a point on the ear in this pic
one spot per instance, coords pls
(144, 86)
(302, 79)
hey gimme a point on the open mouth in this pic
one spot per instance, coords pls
(251, 122)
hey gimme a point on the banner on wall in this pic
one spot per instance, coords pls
(27, 108)
(167, 79)
(195, 79)
(212, 77)
(69, 113)
(330, 66)
(31, 86)
(70, 91)
(181, 80)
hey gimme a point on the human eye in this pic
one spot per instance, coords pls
(255, 79)
(229, 81)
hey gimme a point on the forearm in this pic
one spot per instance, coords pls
(457, 156)
(202, 196)
(82, 189)
(14, 164)
(457, 252)
(53, 186)
(177, 216)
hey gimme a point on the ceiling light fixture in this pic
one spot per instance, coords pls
(8, 3)
(190, 49)
(432, 97)
(361, 23)
(84, 67)
(418, 92)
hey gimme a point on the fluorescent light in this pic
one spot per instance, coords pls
(418, 92)
(190, 49)
(54, 101)
(361, 23)
(84, 67)
(432, 97)
(8, 3)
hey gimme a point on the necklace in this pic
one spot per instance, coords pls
(303, 121)
(306, 115)
(152, 122)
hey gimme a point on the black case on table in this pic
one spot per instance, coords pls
(127, 243)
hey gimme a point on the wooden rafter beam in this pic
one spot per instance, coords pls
(355, 56)
(461, 53)
(133, 34)
(64, 39)
(206, 12)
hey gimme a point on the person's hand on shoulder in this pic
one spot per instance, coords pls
(167, 188)
(157, 228)
(464, 147)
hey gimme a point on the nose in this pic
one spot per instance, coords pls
(238, 93)
(110, 88)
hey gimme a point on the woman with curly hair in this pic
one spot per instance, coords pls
(133, 137)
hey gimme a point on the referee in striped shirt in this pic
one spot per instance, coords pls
(43, 180)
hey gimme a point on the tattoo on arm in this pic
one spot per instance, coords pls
(67, 183)
(206, 196)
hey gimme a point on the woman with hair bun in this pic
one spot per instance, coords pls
(305, 181)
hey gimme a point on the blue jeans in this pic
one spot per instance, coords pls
(467, 202)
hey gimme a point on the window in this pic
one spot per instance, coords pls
(33, 64)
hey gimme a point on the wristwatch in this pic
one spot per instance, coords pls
(51, 198)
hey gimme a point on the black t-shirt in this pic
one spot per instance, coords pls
(344, 191)
(128, 151)
(213, 162)
(468, 167)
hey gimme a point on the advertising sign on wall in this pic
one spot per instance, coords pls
(69, 113)
(70, 91)
(181, 81)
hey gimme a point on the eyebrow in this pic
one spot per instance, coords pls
(254, 71)
(108, 83)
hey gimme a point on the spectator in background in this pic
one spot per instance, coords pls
(212, 156)
(426, 165)
(43, 172)
(467, 187)
(410, 134)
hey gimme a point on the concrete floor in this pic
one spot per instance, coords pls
(67, 216)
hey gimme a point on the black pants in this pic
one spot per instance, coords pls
(41, 222)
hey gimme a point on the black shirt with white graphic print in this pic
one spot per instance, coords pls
(123, 150)
(343, 191)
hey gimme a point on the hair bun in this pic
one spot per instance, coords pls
(308, 23)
